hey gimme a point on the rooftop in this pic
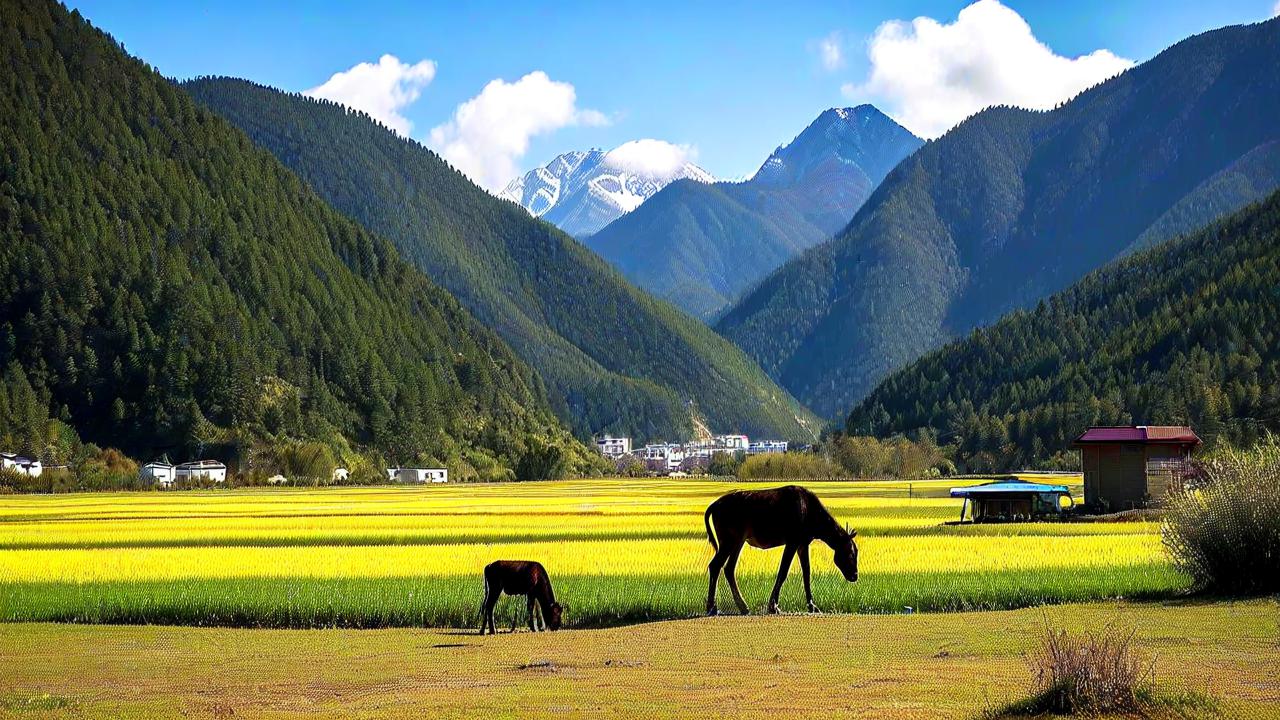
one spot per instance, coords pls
(1151, 434)
(1009, 486)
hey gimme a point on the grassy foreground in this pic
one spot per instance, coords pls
(619, 551)
(898, 667)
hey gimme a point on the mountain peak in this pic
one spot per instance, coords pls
(582, 191)
(862, 136)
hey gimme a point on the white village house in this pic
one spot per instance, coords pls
(613, 447)
(418, 475)
(18, 463)
(157, 472)
(211, 470)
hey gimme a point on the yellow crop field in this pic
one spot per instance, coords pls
(617, 550)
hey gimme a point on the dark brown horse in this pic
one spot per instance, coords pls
(520, 577)
(790, 516)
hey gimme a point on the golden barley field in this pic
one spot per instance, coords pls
(619, 551)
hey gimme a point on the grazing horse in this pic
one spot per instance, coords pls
(520, 577)
(791, 516)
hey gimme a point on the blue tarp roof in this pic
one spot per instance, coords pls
(1009, 486)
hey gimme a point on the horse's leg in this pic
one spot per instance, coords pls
(730, 575)
(533, 623)
(717, 562)
(486, 610)
(804, 570)
(787, 555)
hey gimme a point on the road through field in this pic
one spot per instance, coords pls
(896, 667)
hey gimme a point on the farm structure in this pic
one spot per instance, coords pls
(418, 475)
(1011, 501)
(1134, 466)
(24, 465)
(210, 470)
(157, 472)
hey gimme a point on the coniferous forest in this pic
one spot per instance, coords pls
(614, 358)
(1184, 333)
(166, 286)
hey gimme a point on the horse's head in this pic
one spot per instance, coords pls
(557, 616)
(847, 556)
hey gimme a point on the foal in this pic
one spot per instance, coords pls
(791, 516)
(519, 577)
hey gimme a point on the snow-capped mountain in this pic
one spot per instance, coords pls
(582, 191)
(700, 246)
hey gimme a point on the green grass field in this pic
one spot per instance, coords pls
(918, 667)
(619, 551)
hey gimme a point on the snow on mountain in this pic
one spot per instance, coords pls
(582, 191)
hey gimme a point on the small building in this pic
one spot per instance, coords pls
(1134, 466)
(761, 447)
(157, 472)
(731, 442)
(25, 465)
(200, 470)
(662, 458)
(418, 475)
(1011, 501)
(341, 474)
(613, 447)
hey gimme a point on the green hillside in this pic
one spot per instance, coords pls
(613, 358)
(1184, 333)
(1006, 208)
(167, 286)
(698, 245)
(702, 245)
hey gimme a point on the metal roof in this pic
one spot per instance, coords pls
(1150, 434)
(1009, 486)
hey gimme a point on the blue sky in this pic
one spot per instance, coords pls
(727, 84)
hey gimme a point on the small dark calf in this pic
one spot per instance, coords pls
(520, 577)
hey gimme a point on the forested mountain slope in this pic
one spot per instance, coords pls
(700, 246)
(1184, 333)
(1006, 208)
(614, 358)
(166, 285)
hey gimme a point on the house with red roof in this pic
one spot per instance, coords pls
(1134, 466)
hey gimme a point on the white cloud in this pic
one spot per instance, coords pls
(831, 52)
(931, 76)
(1275, 11)
(381, 90)
(651, 158)
(490, 132)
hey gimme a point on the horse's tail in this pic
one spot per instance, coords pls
(706, 519)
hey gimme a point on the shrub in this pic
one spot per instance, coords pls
(1100, 674)
(1093, 673)
(1224, 529)
(788, 466)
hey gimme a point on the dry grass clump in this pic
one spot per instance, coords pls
(1099, 674)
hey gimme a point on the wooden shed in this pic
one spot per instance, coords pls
(1133, 466)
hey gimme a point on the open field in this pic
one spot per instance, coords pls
(895, 667)
(618, 551)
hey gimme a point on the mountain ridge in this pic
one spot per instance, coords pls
(701, 249)
(167, 285)
(1005, 208)
(580, 192)
(613, 359)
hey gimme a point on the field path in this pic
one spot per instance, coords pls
(917, 666)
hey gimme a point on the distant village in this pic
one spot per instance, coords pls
(689, 458)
